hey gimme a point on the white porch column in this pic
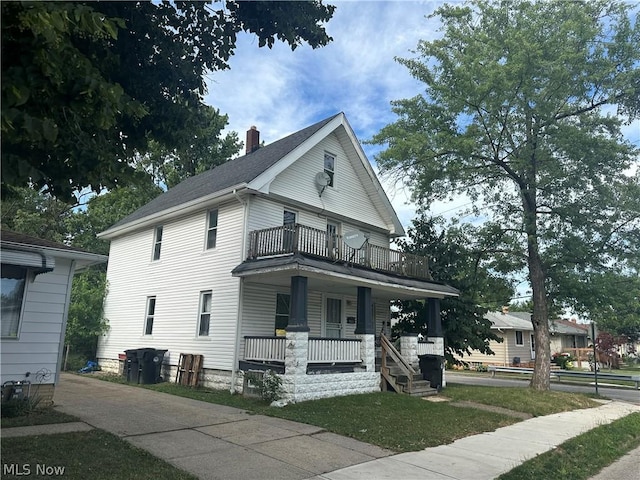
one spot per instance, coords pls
(368, 351)
(295, 355)
(409, 348)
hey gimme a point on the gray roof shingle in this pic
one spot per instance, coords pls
(234, 172)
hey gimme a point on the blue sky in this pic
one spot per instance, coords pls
(281, 91)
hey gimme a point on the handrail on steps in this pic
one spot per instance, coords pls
(387, 348)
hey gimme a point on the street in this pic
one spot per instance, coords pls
(623, 394)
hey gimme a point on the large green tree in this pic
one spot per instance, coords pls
(87, 85)
(457, 260)
(522, 112)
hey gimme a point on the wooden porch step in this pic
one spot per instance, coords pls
(420, 388)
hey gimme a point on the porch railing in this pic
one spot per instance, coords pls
(320, 350)
(264, 349)
(288, 239)
(333, 350)
(429, 348)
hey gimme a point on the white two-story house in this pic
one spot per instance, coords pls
(277, 259)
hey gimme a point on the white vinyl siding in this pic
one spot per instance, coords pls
(347, 198)
(185, 271)
(38, 348)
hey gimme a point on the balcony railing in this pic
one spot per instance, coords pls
(296, 238)
(320, 350)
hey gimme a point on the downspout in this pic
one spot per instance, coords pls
(243, 249)
(65, 314)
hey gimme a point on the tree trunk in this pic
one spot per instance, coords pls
(540, 319)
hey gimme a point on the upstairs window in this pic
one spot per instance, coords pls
(212, 228)
(157, 243)
(151, 313)
(329, 166)
(283, 306)
(205, 314)
(12, 294)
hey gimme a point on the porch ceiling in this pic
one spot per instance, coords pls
(338, 278)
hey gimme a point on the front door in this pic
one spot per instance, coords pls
(333, 318)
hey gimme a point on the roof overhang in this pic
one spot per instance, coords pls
(43, 259)
(338, 278)
(178, 210)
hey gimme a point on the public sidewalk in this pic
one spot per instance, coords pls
(488, 455)
(219, 442)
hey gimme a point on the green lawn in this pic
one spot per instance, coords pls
(96, 454)
(39, 416)
(398, 422)
(583, 456)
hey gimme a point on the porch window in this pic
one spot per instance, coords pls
(157, 243)
(151, 312)
(205, 313)
(12, 288)
(329, 166)
(212, 228)
(283, 307)
(519, 338)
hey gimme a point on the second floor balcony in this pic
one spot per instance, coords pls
(291, 239)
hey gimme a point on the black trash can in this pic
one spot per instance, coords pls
(132, 366)
(150, 364)
(431, 368)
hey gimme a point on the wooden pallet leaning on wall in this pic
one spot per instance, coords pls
(189, 368)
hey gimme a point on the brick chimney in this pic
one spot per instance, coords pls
(253, 139)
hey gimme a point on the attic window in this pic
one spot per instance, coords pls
(329, 166)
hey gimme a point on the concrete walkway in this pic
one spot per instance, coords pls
(218, 442)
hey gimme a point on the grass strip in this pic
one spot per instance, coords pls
(582, 456)
(526, 400)
(38, 416)
(96, 454)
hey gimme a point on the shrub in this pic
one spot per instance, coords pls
(563, 360)
(270, 386)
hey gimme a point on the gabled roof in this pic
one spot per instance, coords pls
(254, 170)
(567, 327)
(238, 171)
(506, 321)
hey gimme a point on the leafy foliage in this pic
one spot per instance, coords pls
(87, 85)
(454, 260)
(516, 115)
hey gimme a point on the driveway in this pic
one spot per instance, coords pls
(208, 440)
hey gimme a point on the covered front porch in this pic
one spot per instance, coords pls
(334, 315)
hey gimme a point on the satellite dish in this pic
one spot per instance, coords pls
(322, 180)
(355, 239)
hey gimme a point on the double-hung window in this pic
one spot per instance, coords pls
(157, 242)
(12, 292)
(205, 313)
(329, 166)
(283, 306)
(151, 313)
(519, 338)
(212, 228)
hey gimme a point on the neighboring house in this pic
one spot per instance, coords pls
(516, 330)
(36, 289)
(517, 347)
(277, 259)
